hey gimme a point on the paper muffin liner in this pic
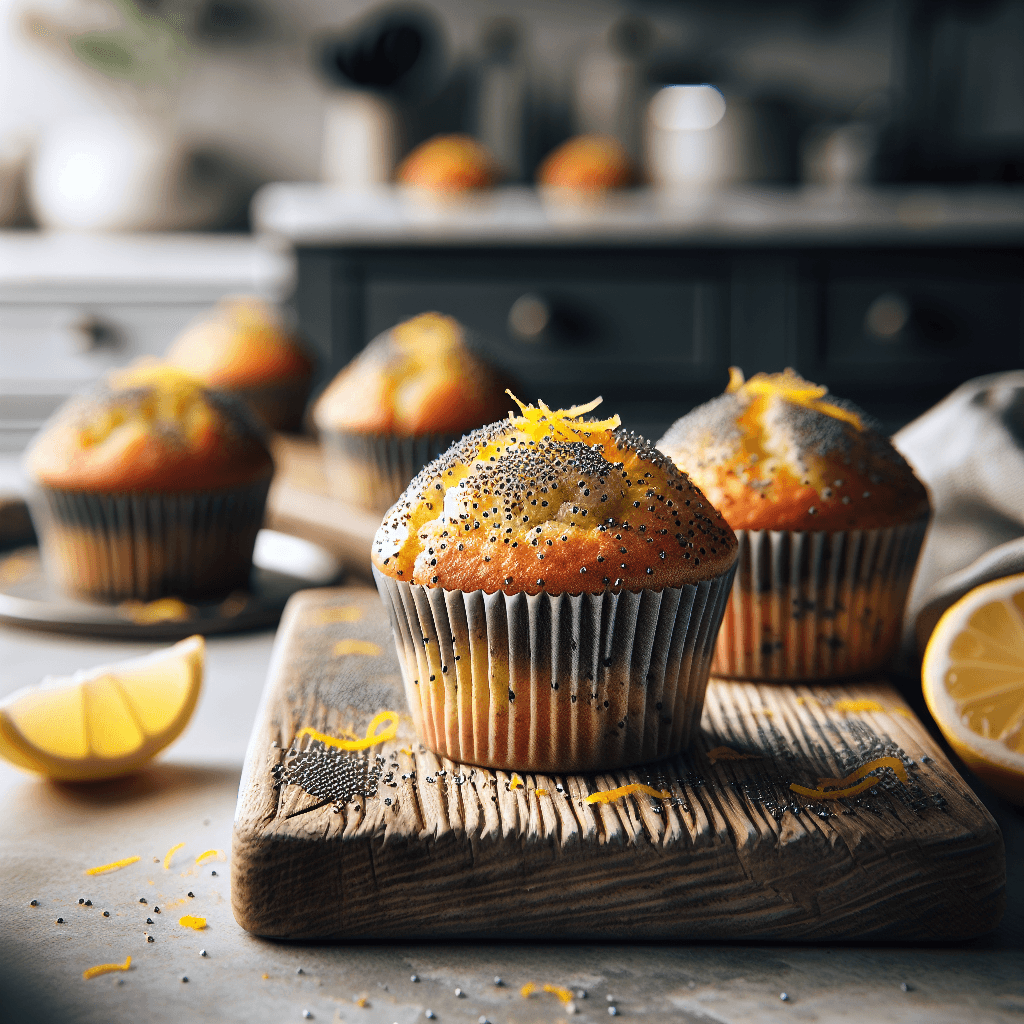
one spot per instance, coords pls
(571, 683)
(815, 605)
(372, 470)
(115, 546)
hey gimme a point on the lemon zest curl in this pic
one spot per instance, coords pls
(611, 795)
(845, 788)
(372, 738)
(115, 865)
(99, 969)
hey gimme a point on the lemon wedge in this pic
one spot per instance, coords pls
(973, 679)
(104, 721)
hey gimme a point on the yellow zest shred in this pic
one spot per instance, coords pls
(371, 739)
(902, 711)
(563, 993)
(801, 701)
(362, 1001)
(611, 795)
(728, 754)
(356, 647)
(539, 421)
(852, 790)
(516, 783)
(196, 923)
(208, 855)
(857, 705)
(170, 853)
(736, 380)
(527, 990)
(879, 762)
(345, 613)
(112, 866)
(165, 609)
(541, 792)
(407, 751)
(264, 975)
(99, 969)
(792, 388)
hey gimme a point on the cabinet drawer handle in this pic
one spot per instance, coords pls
(91, 332)
(529, 317)
(887, 317)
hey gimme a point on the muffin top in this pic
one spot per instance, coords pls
(774, 454)
(152, 427)
(548, 501)
(416, 378)
(587, 163)
(243, 342)
(449, 163)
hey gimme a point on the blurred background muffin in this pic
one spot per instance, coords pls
(401, 402)
(830, 520)
(244, 347)
(152, 486)
(555, 587)
(449, 164)
(588, 164)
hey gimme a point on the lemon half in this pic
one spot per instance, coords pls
(104, 721)
(973, 679)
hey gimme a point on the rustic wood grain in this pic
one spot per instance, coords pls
(300, 503)
(463, 851)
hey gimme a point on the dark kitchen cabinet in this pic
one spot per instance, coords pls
(655, 332)
(891, 300)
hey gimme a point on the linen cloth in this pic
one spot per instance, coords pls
(969, 451)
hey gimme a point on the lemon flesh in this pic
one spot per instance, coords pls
(105, 721)
(973, 679)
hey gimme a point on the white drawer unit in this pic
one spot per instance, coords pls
(73, 307)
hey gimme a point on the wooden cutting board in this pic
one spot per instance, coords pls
(394, 842)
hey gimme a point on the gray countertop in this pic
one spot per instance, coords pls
(52, 834)
(511, 216)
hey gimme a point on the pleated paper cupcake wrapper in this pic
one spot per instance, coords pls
(816, 605)
(144, 546)
(372, 470)
(572, 683)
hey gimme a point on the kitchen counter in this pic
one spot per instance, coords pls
(52, 834)
(318, 215)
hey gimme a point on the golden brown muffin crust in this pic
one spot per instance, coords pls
(449, 163)
(242, 343)
(548, 502)
(773, 453)
(587, 163)
(416, 378)
(152, 428)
